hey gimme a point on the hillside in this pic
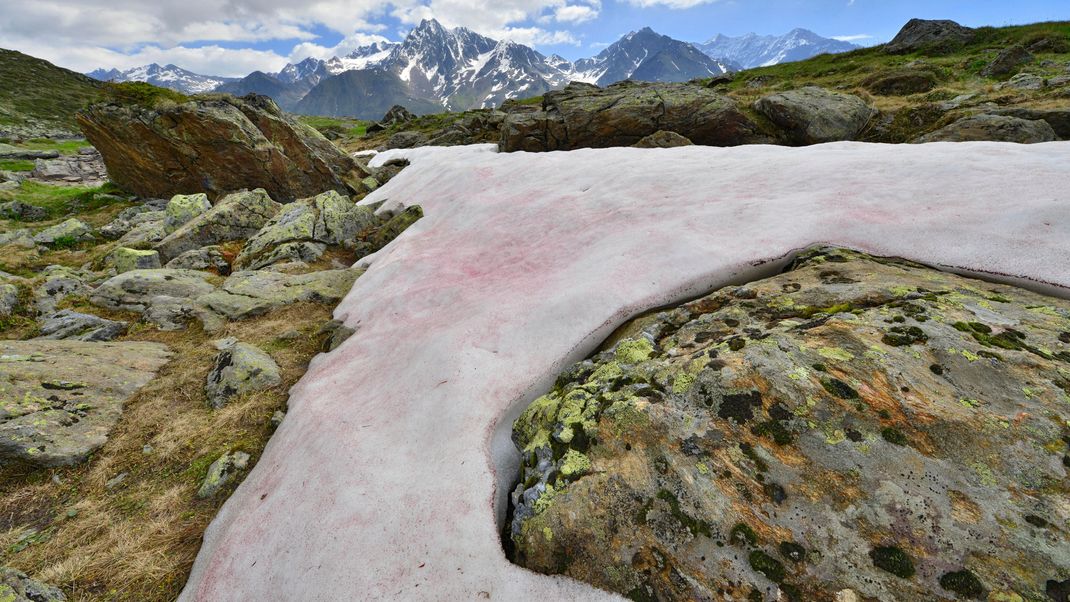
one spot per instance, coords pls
(46, 96)
(365, 94)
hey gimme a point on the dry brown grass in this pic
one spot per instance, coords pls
(137, 541)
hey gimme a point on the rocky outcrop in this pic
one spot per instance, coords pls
(586, 116)
(856, 428)
(396, 115)
(216, 146)
(23, 212)
(61, 398)
(1058, 119)
(205, 258)
(235, 217)
(16, 586)
(305, 228)
(813, 115)
(86, 168)
(165, 297)
(929, 35)
(994, 128)
(239, 369)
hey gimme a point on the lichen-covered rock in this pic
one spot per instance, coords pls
(239, 368)
(206, 258)
(16, 586)
(184, 207)
(996, 128)
(932, 35)
(247, 294)
(60, 283)
(857, 424)
(74, 326)
(586, 116)
(663, 139)
(326, 219)
(139, 290)
(216, 146)
(813, 115)
(9, 299)
(131, 217)
(222, 472)
(394, 227)
(1058, 119)
(122, 259)
(71, 231)
(236, 217)
(23, 212)
(60, 399)
(20, 237)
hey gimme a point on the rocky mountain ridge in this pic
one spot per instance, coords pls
(753, 50)
(165, 76)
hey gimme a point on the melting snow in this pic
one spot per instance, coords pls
(389, 474)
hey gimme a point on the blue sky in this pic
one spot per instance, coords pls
(234, 37)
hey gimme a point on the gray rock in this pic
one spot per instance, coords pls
(170, 313)
(289, 252)
(85, 168)
(813, 115)
(71, 230)
(221, 472)
(74, 326)
(8, 152)
(21, 238)
(336, 333)
(145, 233)
(138, 290)
(328, 218)
(61, 398)
(207, 258)
(663, 139)
(123, 259)
(1058, 119)
(239, 369)
(1007, 62)
(183, 208)
(923, 34)
(1024, 81)
(60, 282)
(236, 217)
(406, 140)
(248, 294)
(23, 212)
(16, 586)
(9, 299)
(995, 128)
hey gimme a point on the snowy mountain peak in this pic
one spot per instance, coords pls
(753, 50)
(169, 76)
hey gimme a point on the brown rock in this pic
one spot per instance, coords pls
(215, 146)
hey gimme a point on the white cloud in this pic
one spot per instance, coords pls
(853, 38)
(677, 4)
(195, 34)
(576, 13)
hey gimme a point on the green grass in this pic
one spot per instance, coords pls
(141, 93)
(63, 147)
(60, 200)
(351, 128)
(44, 92)
(16, 165)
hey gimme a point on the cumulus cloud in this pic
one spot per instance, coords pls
(206, 35)
(677, 4)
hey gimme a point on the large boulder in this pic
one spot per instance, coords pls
(901, 83)
(62, 398)
(923, 34)
(1058, 119)
(216, 145)
(328, 219)
(857, 428)
(239, 369)
(586, 116)
(1008, 61)
(235, 217)
(813, 115)
(995, 128)
(165, 297)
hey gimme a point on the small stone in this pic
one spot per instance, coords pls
(16, 586)
(116, 480)
(277, 418)
(221, 472)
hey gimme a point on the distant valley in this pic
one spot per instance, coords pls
(435, 69)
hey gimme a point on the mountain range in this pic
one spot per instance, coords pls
(435, 69)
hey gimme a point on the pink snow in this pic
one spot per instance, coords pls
(388, 477)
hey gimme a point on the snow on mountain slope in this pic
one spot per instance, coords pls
(753, 50)
(168, 76)
(654, 56)
(390, 473)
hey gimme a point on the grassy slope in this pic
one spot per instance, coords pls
(45, 93)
